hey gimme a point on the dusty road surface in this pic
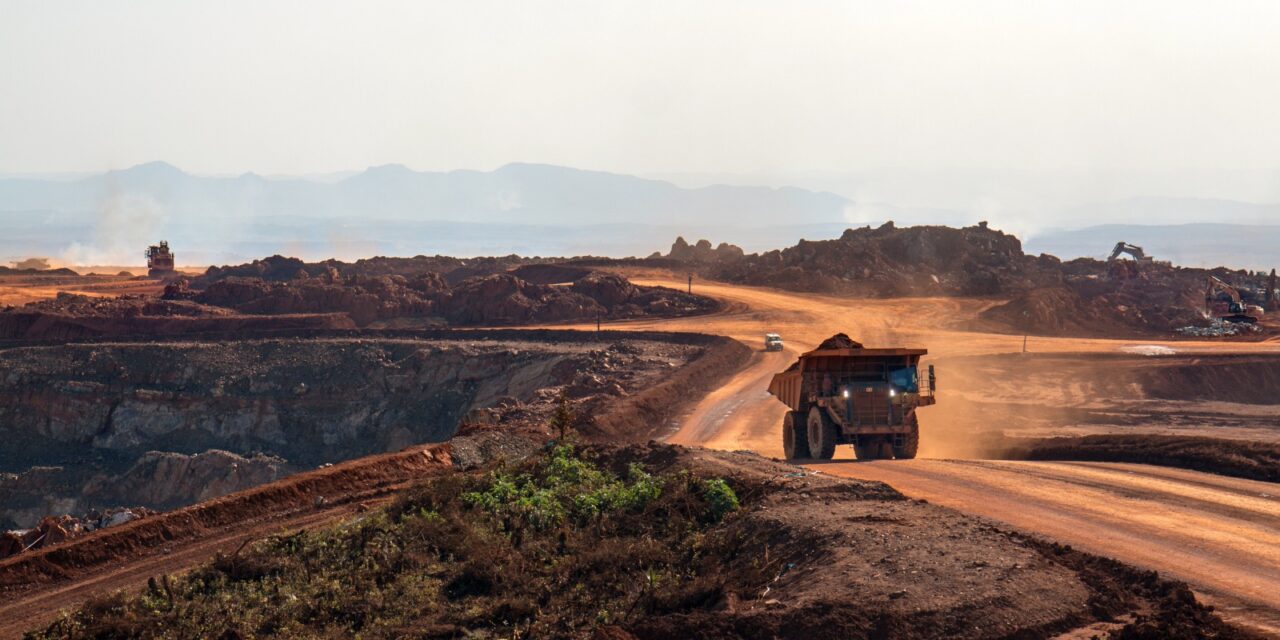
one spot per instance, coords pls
(1221, 535)
(19, 290)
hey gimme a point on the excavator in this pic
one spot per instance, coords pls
(1132, 249)
(1234, 310)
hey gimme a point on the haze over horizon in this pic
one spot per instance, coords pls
(1033, 115)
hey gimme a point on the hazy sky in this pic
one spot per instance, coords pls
(643, 87)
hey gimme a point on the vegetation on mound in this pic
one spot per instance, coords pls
(557, 546)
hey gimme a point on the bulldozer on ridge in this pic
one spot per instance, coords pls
(844, 393)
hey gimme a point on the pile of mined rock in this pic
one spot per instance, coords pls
(54, 529)
(495, 299)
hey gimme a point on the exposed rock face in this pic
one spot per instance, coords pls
(303, 400)
(161, 425)
(164, 479)
(159, 480)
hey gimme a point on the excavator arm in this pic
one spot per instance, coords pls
(1216, 285)
(1131, 249)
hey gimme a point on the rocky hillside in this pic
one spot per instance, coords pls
(84, 424)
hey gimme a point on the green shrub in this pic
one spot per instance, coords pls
(721, 498)
(564, 486)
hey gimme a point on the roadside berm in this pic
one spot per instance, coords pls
(650, 541)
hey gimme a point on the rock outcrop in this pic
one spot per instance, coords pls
(165, 424)
(701, 251)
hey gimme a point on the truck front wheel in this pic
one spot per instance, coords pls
(910, 440)
(795, 436)
(822, 434)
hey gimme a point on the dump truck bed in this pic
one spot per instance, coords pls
(791, 385)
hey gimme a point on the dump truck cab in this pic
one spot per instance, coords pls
(844, 393)
(772, 342)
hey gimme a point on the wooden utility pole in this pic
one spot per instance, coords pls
(691, 283)
(1024, 335)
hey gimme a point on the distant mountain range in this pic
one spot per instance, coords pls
(514, 193)
(531, 209)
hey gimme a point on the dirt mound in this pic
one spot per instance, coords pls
(364, 299)
(310, 491)
(126, 306)
(54, 530)
(75, 317)
(550, 273)
(663, 541)
(840, 341)
(1045, 296)
(61, 271)
(496, 299)
(888, 261)
(279, 268)
(1238, 458)
(1094, 306)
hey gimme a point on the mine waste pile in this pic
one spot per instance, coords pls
(224, 301)
(1041, 295)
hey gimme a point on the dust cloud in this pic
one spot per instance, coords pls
(127, 224)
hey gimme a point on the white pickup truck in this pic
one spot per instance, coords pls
(772, 342)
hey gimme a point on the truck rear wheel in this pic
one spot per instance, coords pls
(822, 434)
(910, 440)
(795, 436)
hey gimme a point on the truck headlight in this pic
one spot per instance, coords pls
(846, 393)
(892, 393)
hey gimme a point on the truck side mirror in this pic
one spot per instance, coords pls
(933, 380)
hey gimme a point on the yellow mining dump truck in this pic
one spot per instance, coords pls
(844, 393)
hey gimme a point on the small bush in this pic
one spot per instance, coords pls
(721, 497)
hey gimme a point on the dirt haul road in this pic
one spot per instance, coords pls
(1221, 535)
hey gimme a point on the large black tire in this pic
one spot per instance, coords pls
(910, 441)
(795, 436)
(822, 434)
